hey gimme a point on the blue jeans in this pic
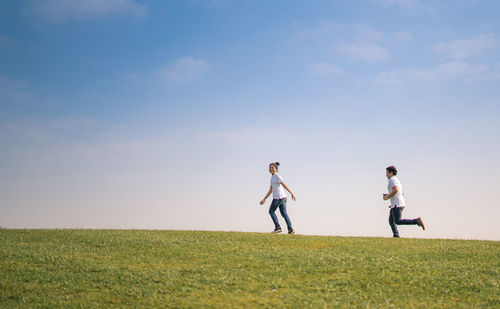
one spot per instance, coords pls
(395, 220)
(281, 203)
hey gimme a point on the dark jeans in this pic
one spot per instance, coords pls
(395, 220)
(281, 203)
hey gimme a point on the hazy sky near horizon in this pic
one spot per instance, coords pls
(165, 114)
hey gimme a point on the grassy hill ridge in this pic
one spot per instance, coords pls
(139, 268)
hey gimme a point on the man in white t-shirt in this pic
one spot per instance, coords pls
(397, 203)
(279, 199)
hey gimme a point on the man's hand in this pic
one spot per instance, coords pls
(394, 191)
(262, 202)
(293, 197)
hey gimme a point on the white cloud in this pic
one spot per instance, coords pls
(461, 49)
(402, 37)
(319, 31)
(360, 42)
(63, 10)
(411, 6)
(365, 46)
(183, 70)
(364, 51)
(6, 43)
(214, 4)
(369, 35)
(322, 69)
(402, 3)
(448, 70)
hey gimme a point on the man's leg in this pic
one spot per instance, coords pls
(284, 214)
(399, 221)
(272, 209)
(392, 223)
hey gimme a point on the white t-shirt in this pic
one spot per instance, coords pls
(278, 192)
(397, 200)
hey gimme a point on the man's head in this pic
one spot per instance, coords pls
(273, 167)
(391, 171)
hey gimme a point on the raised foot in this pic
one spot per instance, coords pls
(421, 223)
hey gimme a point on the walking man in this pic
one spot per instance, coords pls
(397, 203)
(279, 199)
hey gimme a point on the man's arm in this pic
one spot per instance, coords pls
(267, 195)
(394, 192)
(284, 186)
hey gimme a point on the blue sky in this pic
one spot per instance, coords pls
(165, 114)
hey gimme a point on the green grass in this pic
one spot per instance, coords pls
(117, 268)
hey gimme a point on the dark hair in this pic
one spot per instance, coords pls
(275, 164)
(392, 169)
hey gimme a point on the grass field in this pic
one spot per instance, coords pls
(117, 268)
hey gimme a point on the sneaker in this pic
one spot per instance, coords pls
(278, 230)
(421, 223)
(291, 232)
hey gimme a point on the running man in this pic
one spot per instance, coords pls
(397, 203)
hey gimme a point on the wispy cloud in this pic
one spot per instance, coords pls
(319, 31)
(183, 70)
(401, 37)
(401, 3)
(214, 4)
(6, 43)
(357, 41)
(411, 6)
(323, 69)
(364, 51)
(58, 11)
(365, 46)
(444, 71)
(461, 49)
(365, 34)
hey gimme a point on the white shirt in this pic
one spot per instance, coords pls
(278, 192)
(397, 200)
